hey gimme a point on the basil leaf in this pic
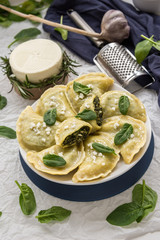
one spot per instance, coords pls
(54, 213)
(123, 104)
(103, 149)
(142, 50)
(25, 35)
(53, 160)
(125, 214)
(50, 117)
(80, 88)
(0, 214)
(157, 45)
(26, 199)
(3, 102)
(123, 134)
(63, 32)
(7, 132)
(146, 197)
(87, 115)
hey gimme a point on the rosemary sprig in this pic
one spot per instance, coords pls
(23, 87)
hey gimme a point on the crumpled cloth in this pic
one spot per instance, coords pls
(92, 12)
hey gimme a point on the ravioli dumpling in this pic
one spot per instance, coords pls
(93, 103)
(96, 164)
(97, 81)
(73, 156)
(55, 98)
(137, 139)
(72, 131)
(110, 101)
(32, 131)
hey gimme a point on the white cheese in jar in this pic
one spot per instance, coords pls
(38, 59)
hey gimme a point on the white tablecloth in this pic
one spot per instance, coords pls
(87, 220)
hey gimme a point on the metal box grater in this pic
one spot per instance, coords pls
(119, 63)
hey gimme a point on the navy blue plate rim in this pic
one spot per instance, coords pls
(94, 192)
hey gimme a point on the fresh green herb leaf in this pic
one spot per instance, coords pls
(3, 102)
(123, 134)
(63, 32)
(87, 115)
(25, 35)
(0, 214)
(54, 213)
(125, 214)
(7, 132)
(53, 160)
(50, 117)
(146, 197)
(123, 104)
(103, 149)
(80, 88)
(26, 199)
(157, 45)
(142, 50)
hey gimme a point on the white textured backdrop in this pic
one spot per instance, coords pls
(87, 220)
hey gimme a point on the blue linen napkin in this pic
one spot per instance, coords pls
(92, 12)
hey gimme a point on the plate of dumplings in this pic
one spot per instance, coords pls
(87, 140)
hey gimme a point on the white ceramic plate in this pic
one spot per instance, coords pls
(120, 169)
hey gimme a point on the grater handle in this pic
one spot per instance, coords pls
(80, 22)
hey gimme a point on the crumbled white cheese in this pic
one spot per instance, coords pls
(53, 98)
(32, 125)
(43, 140)
(116, 100)
(94, 159)
(100, 154)
(87, 105)
(77, 97)
(113, 108)
(66, 127)
(60, 154)
(81, 95)
(44, 125)
(38, 125)
(90, 85)
(103, 164)
(90, 145)
(116, 125)
(132, 135)
(95, 153)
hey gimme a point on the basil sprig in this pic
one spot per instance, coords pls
(53, 160)
(25, 35)
(144, 200)
(50, 117)
(123, 104)
(87, 115)
(80, 88)
(123, 134)
(56, 213)
(3, 102)
(26, 199)
(7, 132)
(103, 149)
(63, 32)
(143, 48)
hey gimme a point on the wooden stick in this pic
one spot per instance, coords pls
(50, 23)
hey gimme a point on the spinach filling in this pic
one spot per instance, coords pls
(77, 136)
(98, 110)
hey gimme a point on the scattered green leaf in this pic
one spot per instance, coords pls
(80, 88)
(123, 134)
(87, 115)
(123, 104)
(53, 160)
(3, 102)
(125, 214)
(55, 213)
(103, 149)
(26, 199)
(7, 132)
(50, 117)
(25, 35)
(144, 200)
(0, 214)
(63, 32)
(146, 197)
